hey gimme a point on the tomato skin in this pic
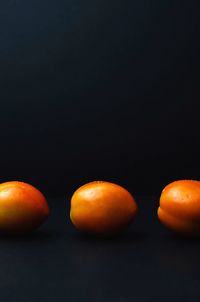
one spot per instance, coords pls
(102, 208)
(23, 208)
(179, 208)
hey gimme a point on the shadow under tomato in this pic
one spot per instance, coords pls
(122, 237)
(38, 235)
(170, 236)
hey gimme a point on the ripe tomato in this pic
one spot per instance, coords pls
(22, 207)
(102, 207)
(179, 208)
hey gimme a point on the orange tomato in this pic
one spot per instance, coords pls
(179, 208)
(102, 207)
(22, 207)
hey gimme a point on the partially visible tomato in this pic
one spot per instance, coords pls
(22, 207)
(179, 208)
(102, 207)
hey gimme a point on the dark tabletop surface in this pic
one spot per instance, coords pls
(57, 263)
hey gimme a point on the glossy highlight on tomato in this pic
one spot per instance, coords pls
(179, 208)
(102, 208)
(23, 208)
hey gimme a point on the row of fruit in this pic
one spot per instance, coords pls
(100, 207)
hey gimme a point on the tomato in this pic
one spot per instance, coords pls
(102, 207)
(22, 207)
(179, 208)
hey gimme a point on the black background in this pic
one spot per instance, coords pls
(99, 90)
